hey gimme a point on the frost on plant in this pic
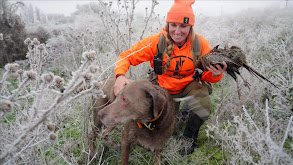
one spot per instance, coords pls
(45, 103)
(248, 142)
(37, 99)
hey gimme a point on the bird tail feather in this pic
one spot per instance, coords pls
(255, 73)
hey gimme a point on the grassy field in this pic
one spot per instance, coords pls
(45, 121)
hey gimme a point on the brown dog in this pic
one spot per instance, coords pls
(146, 109)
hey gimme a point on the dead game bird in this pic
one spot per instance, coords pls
(234, 57)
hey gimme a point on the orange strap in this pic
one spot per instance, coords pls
(152, 120)
(139, 125)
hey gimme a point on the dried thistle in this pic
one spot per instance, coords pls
(20, 71)
(36, 41)
(51, 127)
(91, 56)
(88, 77)
(48, 78)
(94, 69)
(98, 84)
(27, 41)
(12, 68)
(5, 106)
(98, 92)
(31, 75)
(53, 136)
(41, 47)
(59, 82)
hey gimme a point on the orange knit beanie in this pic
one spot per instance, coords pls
(181, 12)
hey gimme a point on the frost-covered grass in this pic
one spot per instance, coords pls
(46, 118)
(256, 128)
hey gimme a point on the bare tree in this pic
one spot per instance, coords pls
(7, 15)
(12, 47)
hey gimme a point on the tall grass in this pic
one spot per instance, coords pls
(256, 128)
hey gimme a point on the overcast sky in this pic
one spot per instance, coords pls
(205, 7)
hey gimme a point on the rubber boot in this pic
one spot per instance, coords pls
(190, 133)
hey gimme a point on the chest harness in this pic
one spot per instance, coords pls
(196, 54)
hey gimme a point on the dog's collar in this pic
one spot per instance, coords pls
(150, 125)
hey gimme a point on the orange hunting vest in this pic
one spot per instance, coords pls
(181, 68)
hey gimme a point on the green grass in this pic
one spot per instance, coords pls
(287, 144)
(10, 117)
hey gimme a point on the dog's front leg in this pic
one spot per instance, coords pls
(93, 140)
(125, 148)
(157, 157)
(98, 104)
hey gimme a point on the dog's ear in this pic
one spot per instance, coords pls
(158, 98)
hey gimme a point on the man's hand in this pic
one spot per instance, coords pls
(120, 82)
(218, 70)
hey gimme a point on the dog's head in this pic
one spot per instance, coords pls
(139, 101)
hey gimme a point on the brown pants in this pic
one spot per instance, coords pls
(200, 104)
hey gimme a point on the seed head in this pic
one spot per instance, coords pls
(91, 56)
(88, 77)
(31, 75)
(98, 92)
(93, 69)
(48, 78)
(1, 36)
(11, 67)
(41, 47)
(59, 82)
(27, 41)
(51, 127)
(5, 106)
(20, 71)
(35, 41)
(53, 136)
(98, 84)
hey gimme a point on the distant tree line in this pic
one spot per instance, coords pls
(15, 17)
(12, 28)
